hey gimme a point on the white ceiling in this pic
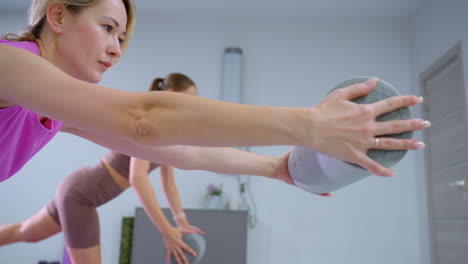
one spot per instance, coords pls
(392, 9)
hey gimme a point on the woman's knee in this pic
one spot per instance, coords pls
(27, 233)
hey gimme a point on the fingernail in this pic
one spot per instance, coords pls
(390, 173)
(419, 145)
(425, 123)
(369, 82)
(420, 99)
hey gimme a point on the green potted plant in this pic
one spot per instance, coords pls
(214, 193)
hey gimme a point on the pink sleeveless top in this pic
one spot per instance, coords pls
(21, 133)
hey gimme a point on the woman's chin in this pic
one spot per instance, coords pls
(95, 78)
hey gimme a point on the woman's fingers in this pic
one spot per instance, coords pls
(173, 253)
(168, 256)
(398, 144)
(372, 166)
(199, 231)
(182, 257)
(399, 126)
(354, 91)
(346, 130)
(178, 254)
(187, 230)
(395, 102)
(188, 249)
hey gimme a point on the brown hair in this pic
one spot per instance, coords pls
(38, 12)
(177, 82)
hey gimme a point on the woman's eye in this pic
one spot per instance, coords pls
(108, 28)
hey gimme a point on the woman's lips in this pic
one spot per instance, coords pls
(105, 65)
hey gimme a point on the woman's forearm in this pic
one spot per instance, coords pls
(173, 198)
(147, 197)
(175, 118)
(218, 160)
(231, 161)
(172, 194)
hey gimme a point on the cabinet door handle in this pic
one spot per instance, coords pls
(457, 184)
(462, 186)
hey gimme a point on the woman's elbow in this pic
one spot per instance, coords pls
(144, 132)
(144, 129)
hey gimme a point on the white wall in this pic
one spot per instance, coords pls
(287, 63)
(434, 29)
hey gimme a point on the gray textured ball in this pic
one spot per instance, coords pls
(383, 90)
(197, 243)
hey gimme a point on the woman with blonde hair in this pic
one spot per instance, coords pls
(48, 79)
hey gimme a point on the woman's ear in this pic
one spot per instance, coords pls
(55, 17)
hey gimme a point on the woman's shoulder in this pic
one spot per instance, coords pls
(5, 104)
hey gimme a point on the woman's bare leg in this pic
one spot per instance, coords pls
(36, 228)
(90, 255)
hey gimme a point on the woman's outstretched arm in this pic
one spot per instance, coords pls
(156, 118)
(336, 126)
(214, 159)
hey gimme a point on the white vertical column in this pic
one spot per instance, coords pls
(232, 75)
(232, 85)
(232, 91)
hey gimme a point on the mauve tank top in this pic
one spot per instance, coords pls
(121, 163)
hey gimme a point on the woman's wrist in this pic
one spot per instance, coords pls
(305, 135)
(178, 216)
(272, 167)
(300, 125)
(180, 219)
(164, 228)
